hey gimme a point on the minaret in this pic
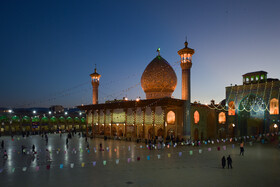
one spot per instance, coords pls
(186, 64)
(95, 83)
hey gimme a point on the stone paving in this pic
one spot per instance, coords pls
(118, 165)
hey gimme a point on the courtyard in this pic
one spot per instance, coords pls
(123, 163)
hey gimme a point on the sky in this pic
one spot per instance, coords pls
(49, 48)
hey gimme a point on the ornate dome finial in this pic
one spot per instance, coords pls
(95, 69)
(158, 50)
(186, 42)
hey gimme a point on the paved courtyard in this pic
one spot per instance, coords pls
(118, 165)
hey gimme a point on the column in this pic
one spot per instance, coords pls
(111, 126)
(125, 123)
(134, 122)
(144, 111)
(153, 113)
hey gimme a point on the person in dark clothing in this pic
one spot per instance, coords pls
(33, 148)
(22, 149)
(242, 149)
(2, 144)
(224, 162)
(66, 141)
(100, 146)
(229, 162)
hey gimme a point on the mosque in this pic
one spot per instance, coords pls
(248, 109)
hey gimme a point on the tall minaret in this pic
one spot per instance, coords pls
(186, 64)
(95, 83)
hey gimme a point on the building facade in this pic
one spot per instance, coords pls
(159, 115)
(38, 120)
(253, 108)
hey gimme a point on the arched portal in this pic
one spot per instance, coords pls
(160, 132)
(251, 115)
(107, 131)
(120, 133)
(171, 133)
(222, 118)
(196, 117)
(150, 133)
(274, 107)
(231, 108)
(222, 133)
(195, 134)
(170, 117)
(101, 129)
(114, 131)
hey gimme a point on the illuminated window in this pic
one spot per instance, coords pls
(196, 117)
(222, 118)
(170, 117)
(274, 106)
(252, 78)
(231, 108)
(257, 78)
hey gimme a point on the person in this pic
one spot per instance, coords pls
(2, 144)
(5, 156)
(229, 162)
(150, 144)
(100, 146)
(66, 141)
(33, 148)
(224, 162)
(242, 149)
(22, 149)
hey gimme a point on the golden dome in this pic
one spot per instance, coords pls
(159, 79)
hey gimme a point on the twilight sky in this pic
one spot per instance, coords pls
(49, 48)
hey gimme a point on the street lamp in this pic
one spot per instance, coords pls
(34, 111)
(233, 125)
(66, 113)
(50, 112)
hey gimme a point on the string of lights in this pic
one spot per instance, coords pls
(255, 104)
